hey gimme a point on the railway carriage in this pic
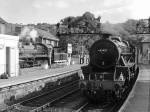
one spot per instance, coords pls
(112, 69)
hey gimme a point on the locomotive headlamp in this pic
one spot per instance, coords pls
(82, 84)
(103, 63)
(101, 76)
(121, 78)
(80, 74)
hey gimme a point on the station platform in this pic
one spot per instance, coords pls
(139, 98)
(32, 74)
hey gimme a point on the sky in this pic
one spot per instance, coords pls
(52, 11)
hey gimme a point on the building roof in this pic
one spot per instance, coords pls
(2, 21)
(46, 34)
(146, 39)
(9, 37)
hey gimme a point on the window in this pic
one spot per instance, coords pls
(39, 40)
(17, 30)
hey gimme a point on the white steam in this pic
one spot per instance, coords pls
(28, 33)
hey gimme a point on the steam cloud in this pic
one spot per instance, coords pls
(28, 33)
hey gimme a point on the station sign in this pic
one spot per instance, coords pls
(69, 48)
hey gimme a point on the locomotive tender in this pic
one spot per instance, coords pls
(111, 70)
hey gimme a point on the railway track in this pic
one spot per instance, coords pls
(69, 103)
(104, 107)
(76, 103)
(72, 100)
(81, 107)
(40, 102)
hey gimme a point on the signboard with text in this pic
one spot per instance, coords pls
(69, 48)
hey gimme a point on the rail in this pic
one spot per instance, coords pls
(81, 107)
(21, 102)
(70, 86)
(39, 109)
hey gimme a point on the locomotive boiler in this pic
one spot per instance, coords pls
(111, 70)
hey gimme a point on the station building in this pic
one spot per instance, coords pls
(9, 59)
(9, 52)
(9, 55)
(40, 36)
(3, 24)
(43, 36)
(10, 34)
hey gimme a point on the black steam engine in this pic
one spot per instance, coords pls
(111, 70)
(39, 54)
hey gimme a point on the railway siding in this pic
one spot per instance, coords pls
(34, 83)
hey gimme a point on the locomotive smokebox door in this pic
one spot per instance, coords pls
(104, 54)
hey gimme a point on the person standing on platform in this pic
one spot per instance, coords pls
(87, 59)
(69, 59)
(81, 58)
(69, 51)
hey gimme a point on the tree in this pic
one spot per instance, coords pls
(87, 23)
(130, 26)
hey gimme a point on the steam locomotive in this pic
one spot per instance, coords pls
(39, 54)
(111, 71)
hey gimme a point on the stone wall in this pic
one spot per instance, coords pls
(14, 94)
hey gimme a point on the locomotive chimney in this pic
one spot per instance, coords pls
(106, 35)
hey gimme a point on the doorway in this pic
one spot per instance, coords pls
(8, 61)
(149, 56)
